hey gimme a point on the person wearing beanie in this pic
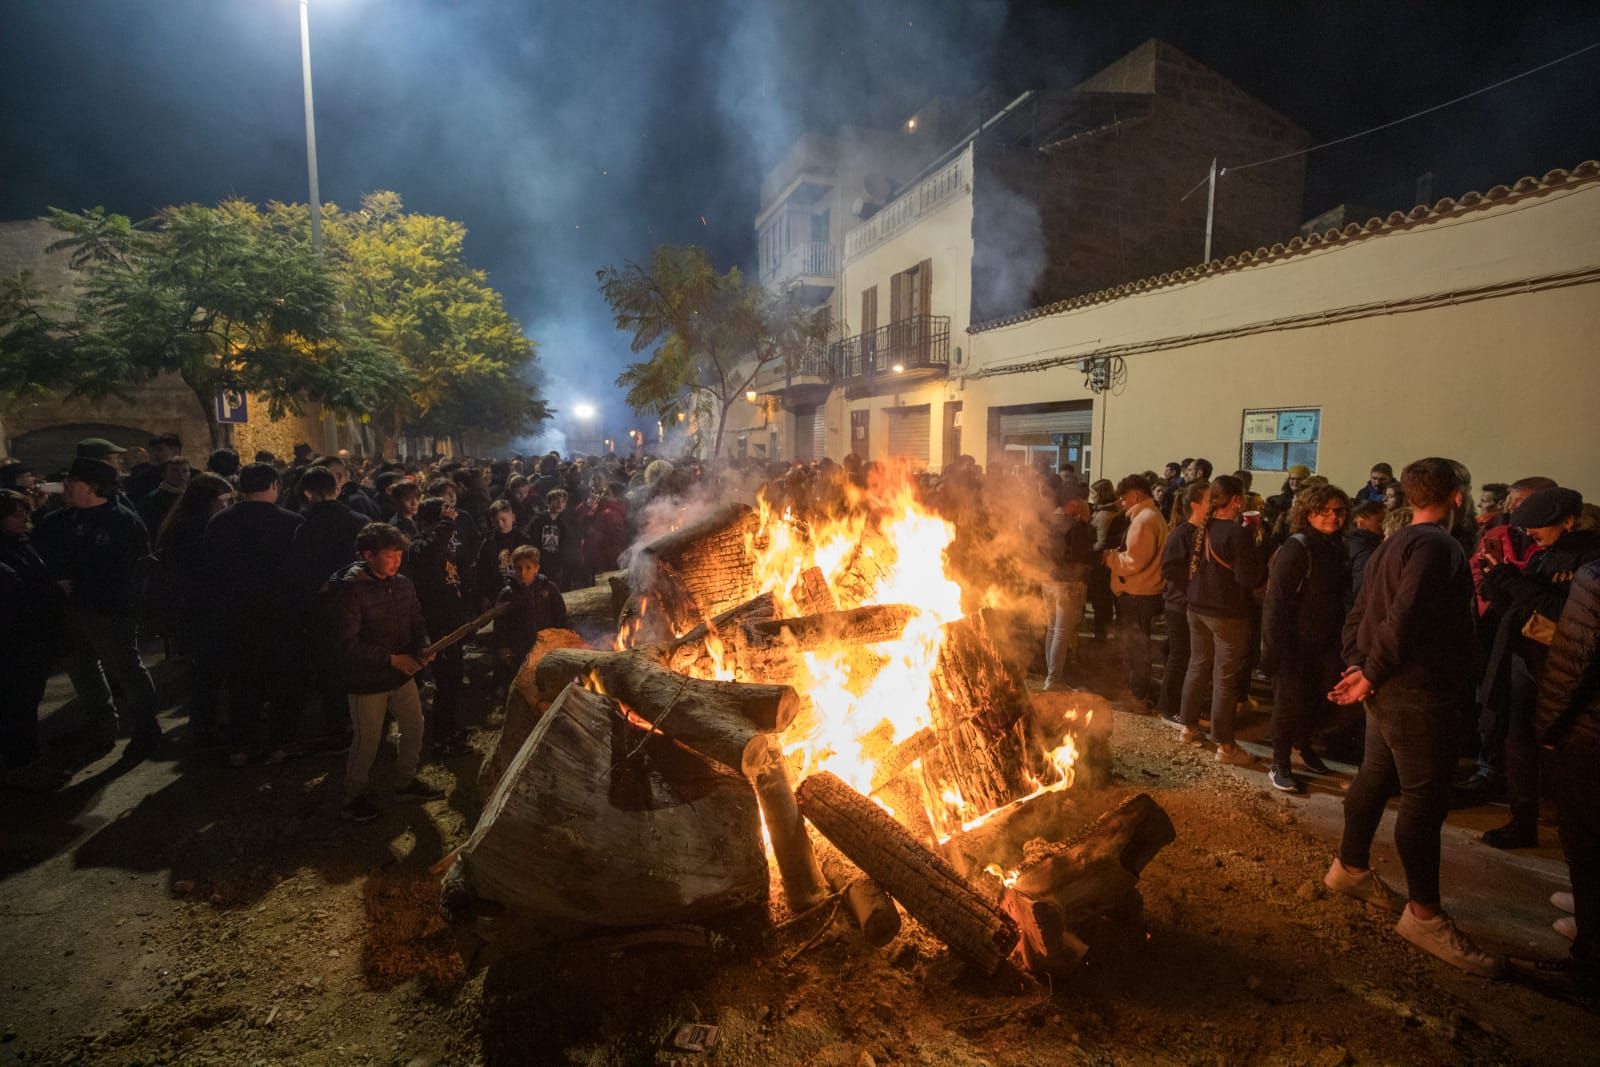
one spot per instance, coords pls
(91, 547)
(1527, 602)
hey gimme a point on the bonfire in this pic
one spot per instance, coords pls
(652, 783)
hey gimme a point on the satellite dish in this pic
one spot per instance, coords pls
(862, 208)
(879, 187)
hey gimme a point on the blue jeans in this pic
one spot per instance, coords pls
(1411, 744)
(1063, 601)
(1217, 648)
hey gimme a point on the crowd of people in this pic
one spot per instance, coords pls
(322, 582)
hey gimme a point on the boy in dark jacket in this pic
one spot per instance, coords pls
(1408, 646)
(381, 638)
(553, 534)
(494, 569)
(536, 605)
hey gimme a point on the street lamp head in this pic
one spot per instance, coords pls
(750, 396)
(584, 411)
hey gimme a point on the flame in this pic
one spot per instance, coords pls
(1008, 878)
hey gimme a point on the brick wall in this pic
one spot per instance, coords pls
(1110, 201)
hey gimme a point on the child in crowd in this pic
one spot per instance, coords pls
(536, 605)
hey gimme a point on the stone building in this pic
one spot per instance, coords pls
(43, 430)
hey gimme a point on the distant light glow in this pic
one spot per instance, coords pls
(899, 368)
(583, 411)
(750, 397)
(911, 124)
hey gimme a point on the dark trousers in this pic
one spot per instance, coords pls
(1576, 785)
(1300, 696)
(22, 681)
(1252, 654)
(1177, 664)
(1411, 744)
(447, 671)
(1136, 620)
(105, 644)
(1216, 653)
(1521, 748)
(1101, 599)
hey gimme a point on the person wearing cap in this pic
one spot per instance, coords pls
(91, 547)
(144, 478)
(1528, 601)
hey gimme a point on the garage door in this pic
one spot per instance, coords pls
(819, 435)
(805, 434)
(908, 433)
(1047, 422)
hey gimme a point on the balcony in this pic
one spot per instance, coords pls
(812, 265)
(913, 349)
(807, 381)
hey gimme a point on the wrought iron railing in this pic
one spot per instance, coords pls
(917, 343)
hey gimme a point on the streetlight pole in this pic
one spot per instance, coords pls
(311, 129)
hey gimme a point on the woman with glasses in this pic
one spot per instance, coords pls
(1308, 585)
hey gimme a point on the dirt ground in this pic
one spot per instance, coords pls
(178, 911)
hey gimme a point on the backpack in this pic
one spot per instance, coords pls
(1261, 593)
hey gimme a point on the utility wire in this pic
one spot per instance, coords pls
(1413, 115)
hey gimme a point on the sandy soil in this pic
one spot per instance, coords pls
(177, 911)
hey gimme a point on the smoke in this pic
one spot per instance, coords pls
(1011, 258)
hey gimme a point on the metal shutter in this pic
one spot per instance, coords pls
(1081, 421)
(804, 434)
(819, 435)
(908, 433)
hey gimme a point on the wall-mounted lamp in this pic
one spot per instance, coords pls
(750, 396)
(899, 368)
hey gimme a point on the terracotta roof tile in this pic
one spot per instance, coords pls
(1395, 221)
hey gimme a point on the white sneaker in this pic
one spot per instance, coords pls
(1563, 901)
(1440, 938)
(1567, 927)
(1366, 887)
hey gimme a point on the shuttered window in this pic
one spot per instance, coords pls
(908, 433)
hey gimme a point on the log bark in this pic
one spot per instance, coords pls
(857, 626)
(899, 759)
(865, 568)
(670, 838)
(722, 720)
(791, 841)
(702, 569)
(979, 707)
(523, 708)
(1067, 890)
(812, 594)
(871, 908)
(928, 888)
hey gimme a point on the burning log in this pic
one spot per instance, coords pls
(523, 708)
(899, 759)
(673, 838)
(812, 593)
(703, 568)
(1063, 889)
(929, 889)
(877, 622)
(871, 908)
(725, 721)
(979, 706)
(791, 841)
(865, 568)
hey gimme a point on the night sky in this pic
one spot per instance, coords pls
(570, 135)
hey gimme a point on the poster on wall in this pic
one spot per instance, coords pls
(1297, 425)
(1261, 426)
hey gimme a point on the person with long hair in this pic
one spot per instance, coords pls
(1302, 618)
(1109, 523)
(1225, 567)
(177, 549)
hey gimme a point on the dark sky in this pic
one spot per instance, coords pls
(570, 134)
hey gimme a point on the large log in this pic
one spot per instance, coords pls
(523, 708)
(791, 841)
(722, 720)
(702, 568)
(871, 908)
(856, 626)
(1065, 889)
(812, 594)
(925, 885)
(979, 707)
(590, 826)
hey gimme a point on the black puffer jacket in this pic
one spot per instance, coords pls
(1569, 688)
(1306, 593)
(374, 619)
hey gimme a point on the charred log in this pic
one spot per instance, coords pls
(877, 622)
(872, 909)
(929, 889)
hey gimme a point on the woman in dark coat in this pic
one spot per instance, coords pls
(1308, 584)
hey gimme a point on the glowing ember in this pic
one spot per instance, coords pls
(1007, 878)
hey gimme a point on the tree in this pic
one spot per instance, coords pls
(710, 335)
(389, 325)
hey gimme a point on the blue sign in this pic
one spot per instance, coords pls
(232, 407)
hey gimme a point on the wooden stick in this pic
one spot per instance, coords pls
(791, 841)
(869, 905)
(465, 630)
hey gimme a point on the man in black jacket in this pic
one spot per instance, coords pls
(1567, 718)
(380, 639)
(323, 546)
(144, 478)
(1527, 601)
(242, 558)
(436, 564)
(91, 547)
(1408, 646)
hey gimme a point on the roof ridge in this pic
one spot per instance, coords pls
(1445, 207)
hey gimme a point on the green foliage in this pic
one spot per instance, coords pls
(389, 324)
(709, 335)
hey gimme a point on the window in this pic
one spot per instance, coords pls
(1275, 439)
